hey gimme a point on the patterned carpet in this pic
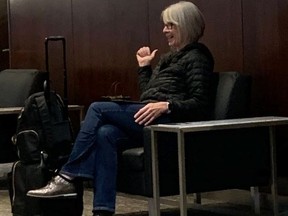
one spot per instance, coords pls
(220, 203)
(133, 206)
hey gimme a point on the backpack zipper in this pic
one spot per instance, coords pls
(13, 181)
(14, 138)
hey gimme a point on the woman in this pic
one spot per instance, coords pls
(178, 89)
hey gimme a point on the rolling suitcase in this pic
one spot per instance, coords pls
(44, 140)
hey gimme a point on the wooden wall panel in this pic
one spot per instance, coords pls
(30, 22)
(265, 58)
(107, 35)
(223, 33)
(265, 51)
(103, 36)
(4, 45)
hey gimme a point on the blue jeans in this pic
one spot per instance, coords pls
(94, 155)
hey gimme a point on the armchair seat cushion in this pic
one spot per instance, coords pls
(133, 159)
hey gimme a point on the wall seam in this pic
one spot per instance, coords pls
(148, 20)
(242, 38)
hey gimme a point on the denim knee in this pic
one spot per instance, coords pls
(109, 134)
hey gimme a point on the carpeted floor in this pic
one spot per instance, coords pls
(220, 203)
(133, 206)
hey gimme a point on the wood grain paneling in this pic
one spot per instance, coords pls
(30, 22)
(103, 36)
(265, 51)
(4, 42)
(265, 58)
(223, 33)
(107, 35)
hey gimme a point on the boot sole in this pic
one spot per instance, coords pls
(53, 196)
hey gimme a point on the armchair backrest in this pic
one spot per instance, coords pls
(17, 84)
(232, 95)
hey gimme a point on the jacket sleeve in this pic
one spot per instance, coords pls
(144, 75)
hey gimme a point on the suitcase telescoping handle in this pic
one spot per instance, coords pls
(47, 87)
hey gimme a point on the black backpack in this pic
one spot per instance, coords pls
(44, 131)
(44, 143)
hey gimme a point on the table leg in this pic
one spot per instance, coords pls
(256, 199)
(182, 174)
(155, 174)
(274, 187)
(81, 115)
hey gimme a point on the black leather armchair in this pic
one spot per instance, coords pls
(15, 86)
(215, 161)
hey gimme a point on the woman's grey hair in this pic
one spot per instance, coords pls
(188, 18)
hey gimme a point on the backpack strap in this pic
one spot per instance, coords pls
(45, 118)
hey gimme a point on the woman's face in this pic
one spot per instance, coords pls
(172, 34)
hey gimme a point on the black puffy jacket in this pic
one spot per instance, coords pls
(184, 79)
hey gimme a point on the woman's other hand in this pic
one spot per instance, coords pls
(150, 112)
(144, 56)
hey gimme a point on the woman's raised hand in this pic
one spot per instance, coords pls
(144, 56)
